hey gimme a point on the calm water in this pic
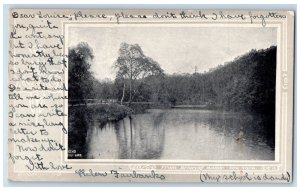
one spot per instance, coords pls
(179, 134)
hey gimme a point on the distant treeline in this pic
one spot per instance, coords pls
(245, 84)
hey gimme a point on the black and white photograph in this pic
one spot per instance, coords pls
(151, 95)
(171, 92)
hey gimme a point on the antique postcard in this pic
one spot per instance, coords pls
(151, 95)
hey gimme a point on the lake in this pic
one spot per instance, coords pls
(179, 134)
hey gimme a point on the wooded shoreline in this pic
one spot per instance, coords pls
(246, 84)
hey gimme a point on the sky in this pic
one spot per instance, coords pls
(176, 49)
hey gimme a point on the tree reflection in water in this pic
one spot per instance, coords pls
(179, 134)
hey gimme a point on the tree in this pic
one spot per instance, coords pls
(132, 64)
(80, 76)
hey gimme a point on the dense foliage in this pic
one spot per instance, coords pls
(80, 77)
(245, 84)
(133, 64)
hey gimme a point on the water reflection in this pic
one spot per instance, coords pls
(179, 134)
(78, 124)
(135, 137)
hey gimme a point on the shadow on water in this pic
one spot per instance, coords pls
(172, 134)
(78, 124)
(255, 128)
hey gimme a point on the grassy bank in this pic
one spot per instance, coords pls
(102, 112)
(82, 117)
(111, 112)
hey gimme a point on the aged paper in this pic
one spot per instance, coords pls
(151, 95)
